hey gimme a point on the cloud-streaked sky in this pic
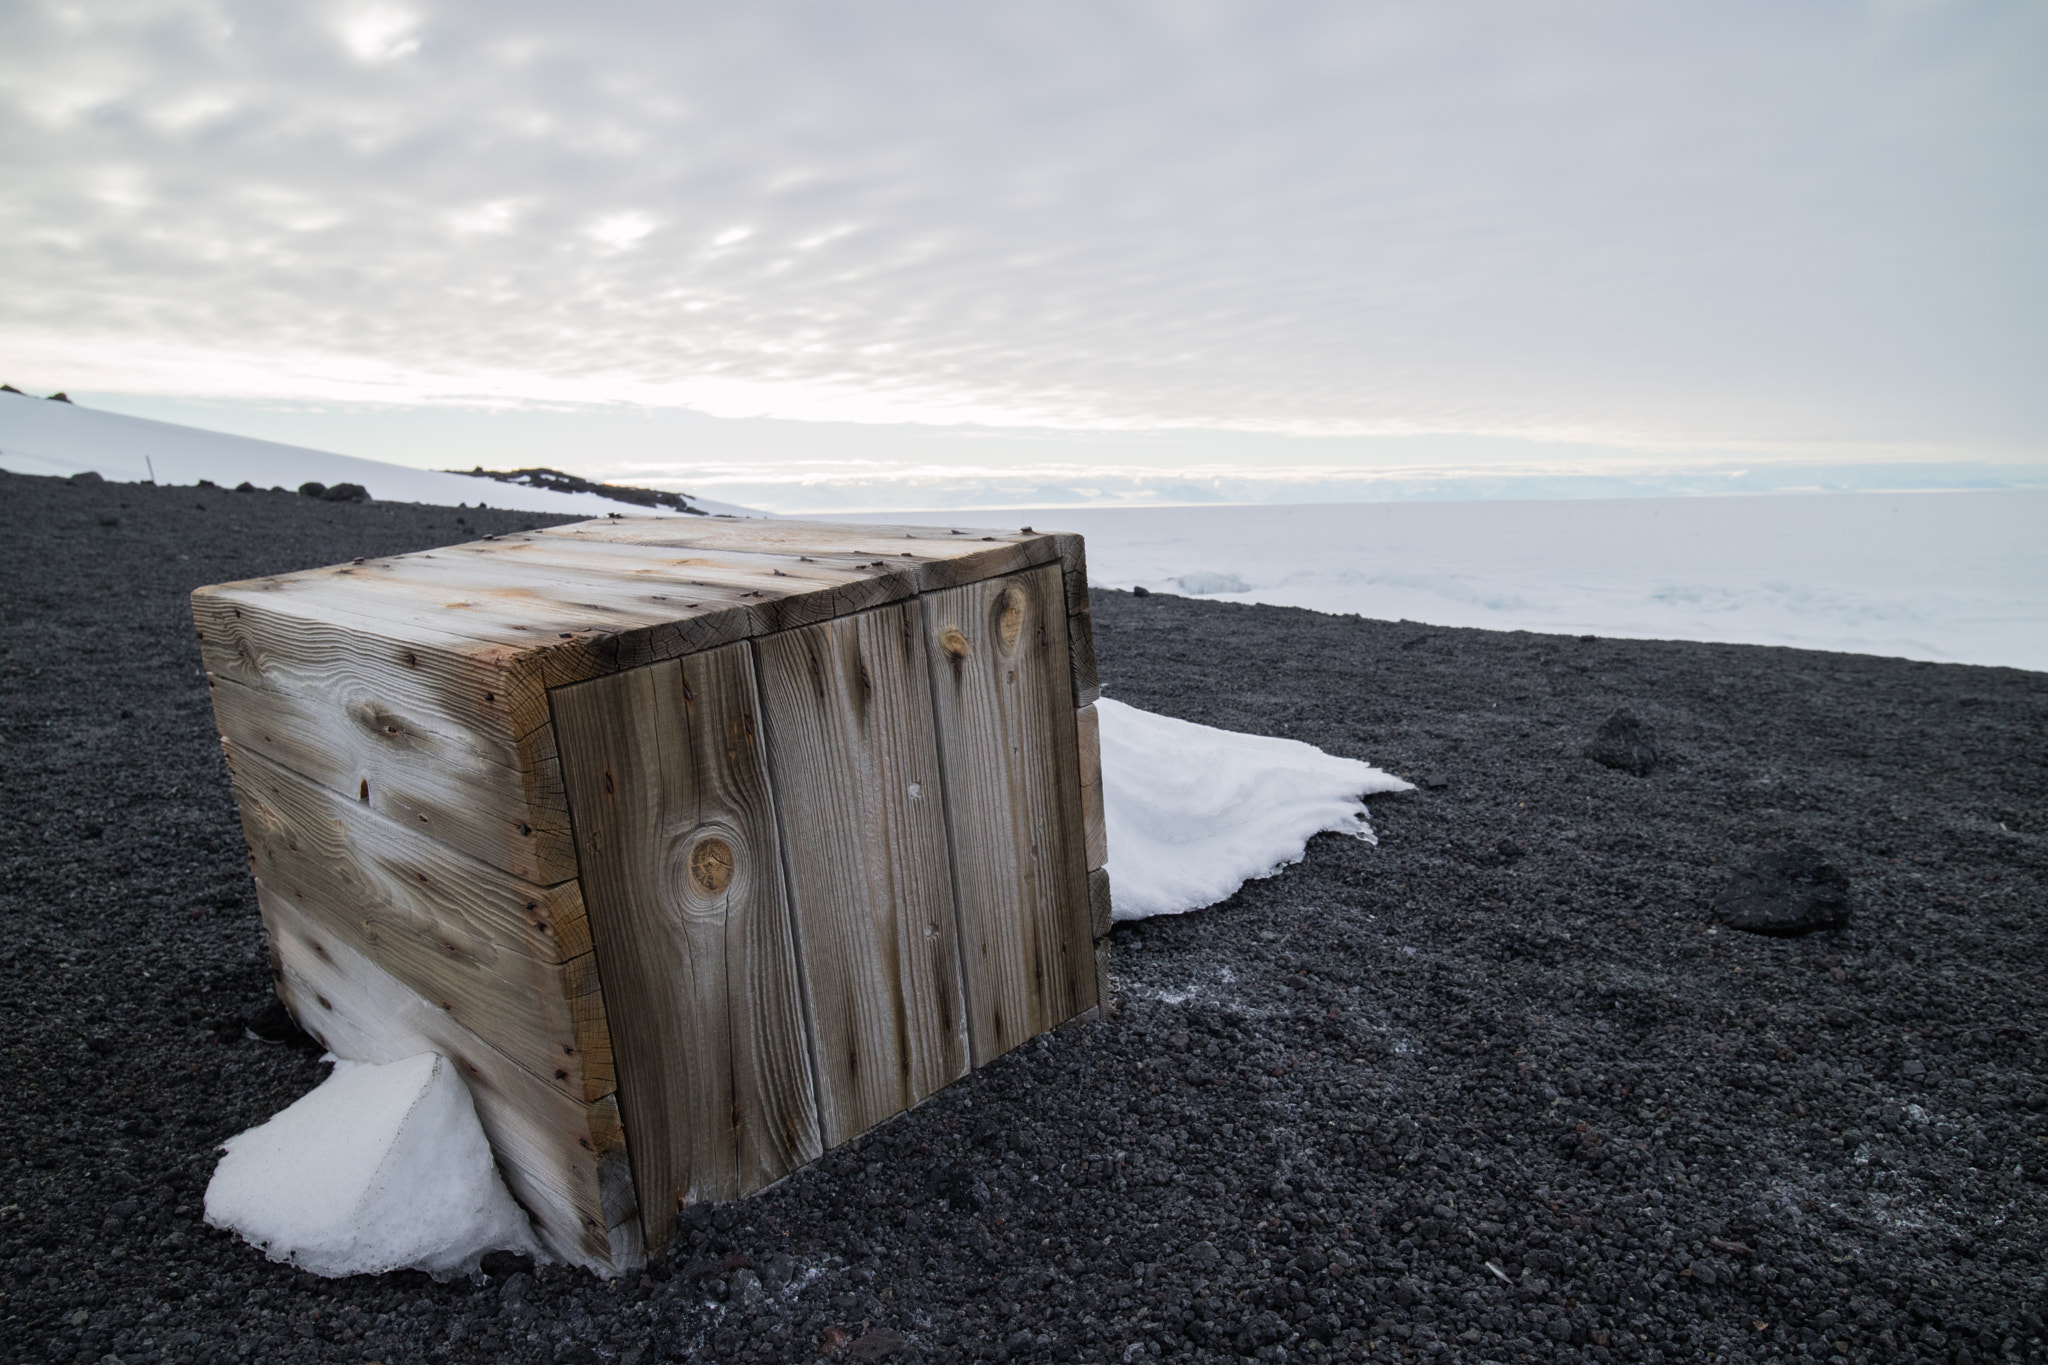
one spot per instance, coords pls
(1808, 231)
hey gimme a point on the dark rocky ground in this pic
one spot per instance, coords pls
(1498, 1089)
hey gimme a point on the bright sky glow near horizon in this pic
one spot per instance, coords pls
(834, 257)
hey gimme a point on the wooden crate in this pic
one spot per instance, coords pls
(701, 846)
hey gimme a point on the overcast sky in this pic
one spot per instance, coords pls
(1663, 233)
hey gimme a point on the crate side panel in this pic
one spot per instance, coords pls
(553, 1149)
(419, 664)
(684, 884)
(454, 930)
(997, 652)
(857, 790)
(456, 792)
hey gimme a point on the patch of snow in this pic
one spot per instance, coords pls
(38, 436)
(380, 1167)
(1194, 812)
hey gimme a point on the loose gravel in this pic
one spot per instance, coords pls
(1500, 1089)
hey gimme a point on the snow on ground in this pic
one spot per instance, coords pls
(38, 436)
(1194, 812)
(1948, 577)
(378, 1168)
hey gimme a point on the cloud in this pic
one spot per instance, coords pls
(1812, 226)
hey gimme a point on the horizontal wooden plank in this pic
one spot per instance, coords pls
(1081, 649)
(1101, 913)
(487, 696)
(458, 933)
(563, 1159)
(1073, 552)
(1088, 744)
(1095, 829)
(447, 788)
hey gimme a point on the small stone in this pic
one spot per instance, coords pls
(1141, 591)
(1786, 892)
(502, 1265)
(880, 1344)
(1915, 1067)
(312, 489)
(345, 492)
(1624, 742)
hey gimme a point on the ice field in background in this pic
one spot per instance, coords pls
(1947, 577)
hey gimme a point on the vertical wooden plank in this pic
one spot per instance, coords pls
(855, 763)
(1007, 739)
(675, 834)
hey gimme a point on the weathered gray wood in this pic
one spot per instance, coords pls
(1081, 649)
(997, 651)
(856, 773)
(458, 933)
(563, 1159)
(1073, 552)
(445, 788)
(1088, 733)
(677, 843)
(1101, 916)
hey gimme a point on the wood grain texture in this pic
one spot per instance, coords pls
(1073, 552)
(1081, 650)
(258, 633)
(856, 775)
(677, 840)
(449, 789)
(1101, 910)
(464, 936)
(561, 1157)
(1006, 727)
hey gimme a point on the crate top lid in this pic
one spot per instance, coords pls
(624, 590)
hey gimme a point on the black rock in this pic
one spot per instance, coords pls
(274, 1024)
(1787, 892)
(1626, 743)
(960, 1187)
(502, 1265)
(312, 489)
(883, 1343)
(345, 492)
(1141, 591)
(245, 487)
(60, 397)
(87, 476)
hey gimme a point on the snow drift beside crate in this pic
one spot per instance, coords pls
(385, 1167)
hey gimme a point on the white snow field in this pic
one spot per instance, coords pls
(378, 1168)
(1946, 577)
(1194, 812)
(38, 436)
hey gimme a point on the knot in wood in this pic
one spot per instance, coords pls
(711, 865)
(954, 643)
(1010, 616)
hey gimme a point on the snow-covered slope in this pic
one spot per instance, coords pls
(1948, 577)
(38, 436)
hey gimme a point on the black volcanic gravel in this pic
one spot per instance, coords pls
(1500, 1089)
